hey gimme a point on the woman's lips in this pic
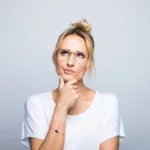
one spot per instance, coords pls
(68, 71)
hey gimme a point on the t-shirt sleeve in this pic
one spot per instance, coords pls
(34, 122)
(113, 125)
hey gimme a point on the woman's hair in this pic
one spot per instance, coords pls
(83, 29)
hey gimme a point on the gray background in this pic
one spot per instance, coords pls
(28, 33)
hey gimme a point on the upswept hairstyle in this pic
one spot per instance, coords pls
(83, 29)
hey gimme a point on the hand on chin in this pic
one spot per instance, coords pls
(67, 77)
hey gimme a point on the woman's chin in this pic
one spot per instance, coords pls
(67, 77)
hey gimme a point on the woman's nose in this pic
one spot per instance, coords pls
(71, 60)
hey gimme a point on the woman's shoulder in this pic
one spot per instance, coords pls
(39, 104)
(106, 103)
(38, 98)
(107, 98)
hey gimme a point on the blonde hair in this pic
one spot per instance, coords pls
(83, 29)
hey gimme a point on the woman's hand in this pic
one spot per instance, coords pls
(68, 93)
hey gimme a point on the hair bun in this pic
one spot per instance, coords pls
(82, 25)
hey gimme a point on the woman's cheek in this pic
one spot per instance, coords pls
(59, 67)
(82, 69)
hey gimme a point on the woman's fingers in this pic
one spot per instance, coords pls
(76, 91)
(74, 87)
(61, 82)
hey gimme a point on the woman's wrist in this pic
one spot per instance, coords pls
(61, 107)
(59, 119)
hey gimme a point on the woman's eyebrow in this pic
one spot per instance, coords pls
(64, 49)
(71, 51)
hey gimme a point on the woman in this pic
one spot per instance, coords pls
(73, 116)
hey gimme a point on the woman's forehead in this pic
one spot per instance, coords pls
(74, 43)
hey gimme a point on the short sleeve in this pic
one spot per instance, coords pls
(113, 125)
(34, 122)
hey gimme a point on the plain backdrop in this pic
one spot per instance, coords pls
(28, 33)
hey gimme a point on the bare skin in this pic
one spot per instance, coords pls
(75, 43)
(81, 103)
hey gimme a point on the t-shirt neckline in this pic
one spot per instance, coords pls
(83, 113)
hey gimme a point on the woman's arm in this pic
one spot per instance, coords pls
(68, 94)
(53, 140)
(110, 144)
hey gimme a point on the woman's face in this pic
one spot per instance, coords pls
(72, 47)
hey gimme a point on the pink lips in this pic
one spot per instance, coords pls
(69, 71)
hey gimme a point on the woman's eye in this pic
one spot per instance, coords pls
(80, 55)
(64, 52)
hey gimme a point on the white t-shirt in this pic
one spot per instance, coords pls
(84, 131)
